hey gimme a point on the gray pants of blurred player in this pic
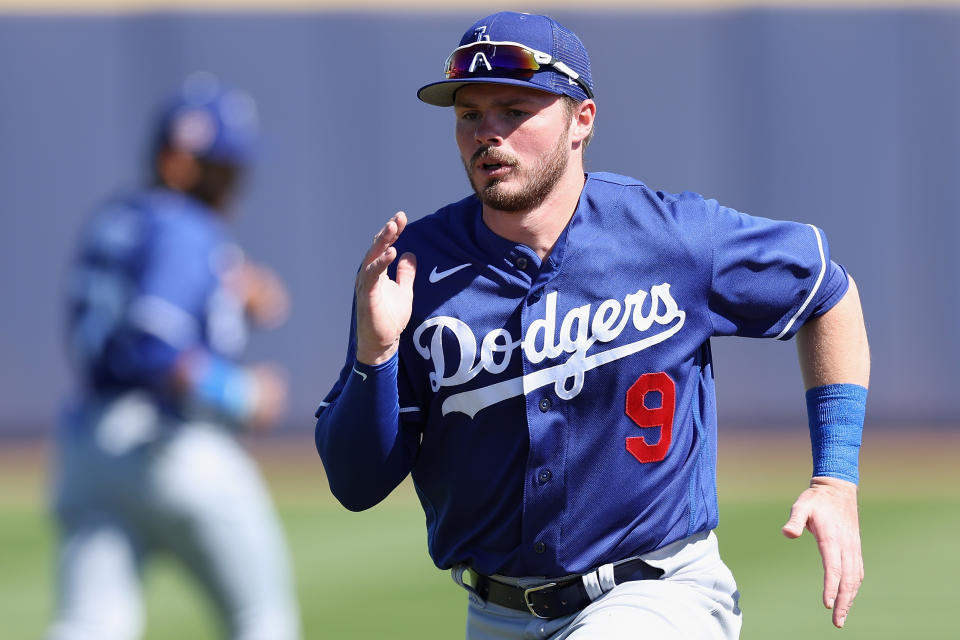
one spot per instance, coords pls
(129, 485)
(696, 598)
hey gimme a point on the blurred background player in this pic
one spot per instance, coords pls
(159, 303)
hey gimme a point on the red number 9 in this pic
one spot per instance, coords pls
(644, 416)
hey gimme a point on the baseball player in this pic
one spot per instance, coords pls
(538, 358)
(159, 303)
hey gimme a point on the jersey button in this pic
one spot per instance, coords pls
(545, 404)
(539, 547)
(521, 263)
(544, 476)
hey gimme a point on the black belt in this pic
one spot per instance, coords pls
(556, 599)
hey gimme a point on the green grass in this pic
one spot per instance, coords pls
(367, 575)
(910, 565)
(25, 571)
(363, 575)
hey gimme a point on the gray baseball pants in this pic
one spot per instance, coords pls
(696, 598)
(130, 484)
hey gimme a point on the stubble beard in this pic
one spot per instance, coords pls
(530, 186)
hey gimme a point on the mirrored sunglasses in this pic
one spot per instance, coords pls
(506, 60)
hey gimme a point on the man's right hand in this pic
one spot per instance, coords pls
(383, 306)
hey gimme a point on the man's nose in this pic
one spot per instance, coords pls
(487, 132)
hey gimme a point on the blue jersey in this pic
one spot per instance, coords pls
(146, 286)
(559, 415)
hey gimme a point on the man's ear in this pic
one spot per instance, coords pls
(583, 120)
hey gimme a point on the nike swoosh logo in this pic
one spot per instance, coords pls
(437, 276)
(362, 375)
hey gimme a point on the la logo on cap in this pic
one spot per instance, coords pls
(479, 57)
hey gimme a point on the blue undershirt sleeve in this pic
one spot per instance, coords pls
(365, 451)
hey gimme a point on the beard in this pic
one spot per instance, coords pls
(530, 185)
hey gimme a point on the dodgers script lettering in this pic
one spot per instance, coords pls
(579, 331)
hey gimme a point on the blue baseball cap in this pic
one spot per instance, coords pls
(210, 121)
(566, 70)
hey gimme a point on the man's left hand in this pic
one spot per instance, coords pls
(829, 510)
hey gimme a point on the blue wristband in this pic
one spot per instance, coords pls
(835, 413)
(225, 387)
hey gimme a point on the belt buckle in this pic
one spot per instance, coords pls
(526, 598)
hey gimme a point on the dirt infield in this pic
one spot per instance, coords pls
(758, 463)
(751, 461)
(753, 464)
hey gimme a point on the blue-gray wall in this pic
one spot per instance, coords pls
(846, 119)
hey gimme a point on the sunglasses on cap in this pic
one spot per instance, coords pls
(506, 59)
